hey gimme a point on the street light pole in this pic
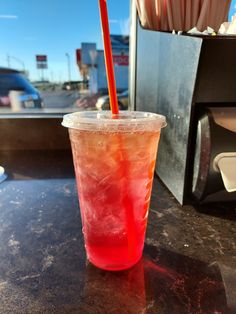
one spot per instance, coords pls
(16, 59)
(8, 61)
(68, 65)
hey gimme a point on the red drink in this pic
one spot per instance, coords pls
(114, 168)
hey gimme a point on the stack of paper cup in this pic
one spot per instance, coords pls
(182, 15)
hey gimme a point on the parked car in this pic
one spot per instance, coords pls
(103, 102)
(75, 85)
(15, 88)
(44, 85)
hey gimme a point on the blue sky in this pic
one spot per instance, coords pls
(53, 28)
(232, 10)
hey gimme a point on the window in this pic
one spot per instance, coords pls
(51, 57)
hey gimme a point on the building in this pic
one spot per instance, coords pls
(92, 64)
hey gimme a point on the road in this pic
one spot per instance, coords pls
(60, 98)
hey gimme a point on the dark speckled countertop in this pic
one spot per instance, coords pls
(188, 265)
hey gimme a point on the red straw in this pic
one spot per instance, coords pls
(108, 57)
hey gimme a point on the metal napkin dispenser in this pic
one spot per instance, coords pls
(190, 80)
(214, 165)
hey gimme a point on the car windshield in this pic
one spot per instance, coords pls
(14, 81)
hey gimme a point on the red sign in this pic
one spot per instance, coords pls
(41, 58)
(78, 56)
(121, 60)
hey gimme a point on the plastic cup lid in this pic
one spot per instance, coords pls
(124, 121)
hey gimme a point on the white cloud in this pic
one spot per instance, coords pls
(113, 21)
(8, 16)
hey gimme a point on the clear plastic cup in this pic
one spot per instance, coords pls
(114, 160)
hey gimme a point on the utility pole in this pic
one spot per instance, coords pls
(16, 59)
(68, 66)
(8, 61)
